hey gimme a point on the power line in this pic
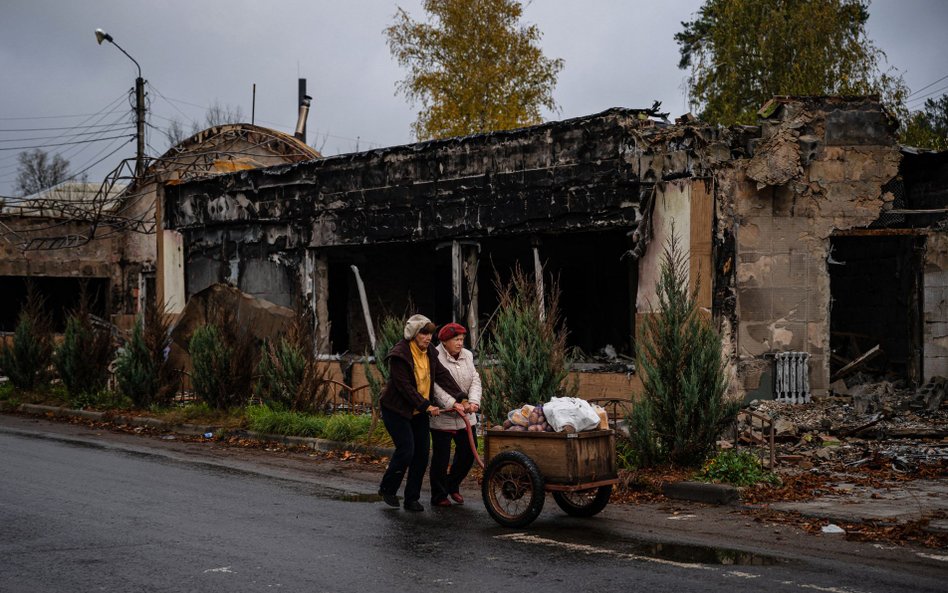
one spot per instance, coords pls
(74, 175)
(65, 143)
(89, 115)
(927, 95)
(86, 166)
(53, 116)
(5, 130)
(912, 94)
(112, 128)
(105, 111)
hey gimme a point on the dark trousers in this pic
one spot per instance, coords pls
(444, 482)
(411, 453)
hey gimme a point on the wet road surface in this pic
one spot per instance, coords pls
(92, 515)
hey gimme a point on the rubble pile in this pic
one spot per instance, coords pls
(876, 424)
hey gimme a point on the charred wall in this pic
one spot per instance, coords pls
(819, 169)
(535, 184)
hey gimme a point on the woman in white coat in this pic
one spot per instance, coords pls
(446, 428)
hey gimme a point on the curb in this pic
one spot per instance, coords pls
(197, 430)
(701, 492)
(322, 444)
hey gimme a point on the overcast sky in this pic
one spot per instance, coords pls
(196, 52)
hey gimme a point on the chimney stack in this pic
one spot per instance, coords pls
(304, 103)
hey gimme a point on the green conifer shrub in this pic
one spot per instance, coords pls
(26, 362)
(290, 377)
(224, 355)
(683, 408)
(526, 349)
(142, 370)
(83, 358)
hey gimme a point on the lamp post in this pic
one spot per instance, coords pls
(101, 36)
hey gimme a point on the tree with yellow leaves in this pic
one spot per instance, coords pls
(473, 67)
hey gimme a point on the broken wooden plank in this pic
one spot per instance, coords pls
(872, 353)
(365, 306)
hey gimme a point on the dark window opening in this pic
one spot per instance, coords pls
(596, 285)
(595, 290)
(61, 295)
(339, 278)
(875, 284)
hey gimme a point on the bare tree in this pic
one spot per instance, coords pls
(218, 114)
(38, 171)
(175, 132)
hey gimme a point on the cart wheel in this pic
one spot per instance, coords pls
(513, 489)
(583, 503)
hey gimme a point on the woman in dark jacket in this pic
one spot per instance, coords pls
(406, 405)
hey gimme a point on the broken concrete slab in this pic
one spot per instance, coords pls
(264, 319)
(910, 502)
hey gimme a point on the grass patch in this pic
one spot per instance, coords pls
(270, 421)
(200, 413)
(99, 400)
(738, 468)
(347, 428)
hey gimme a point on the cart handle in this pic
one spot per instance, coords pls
(470, 435)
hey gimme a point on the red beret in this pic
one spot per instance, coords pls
(451, 330)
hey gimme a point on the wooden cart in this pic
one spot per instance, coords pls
(578, 468)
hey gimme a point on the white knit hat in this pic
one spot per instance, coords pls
(414, 325)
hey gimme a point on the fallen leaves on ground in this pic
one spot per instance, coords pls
(645, 485)
(912, 532)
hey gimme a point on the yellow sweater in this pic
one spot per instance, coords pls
(422, 369)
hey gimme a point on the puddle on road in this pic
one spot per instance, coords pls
(701, 554)
(631, 549)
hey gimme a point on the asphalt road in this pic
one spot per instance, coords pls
(81, 511)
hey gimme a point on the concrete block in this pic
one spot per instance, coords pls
(754, 270)
(790, 303)
(788, 336)
(753, 338)
(934, 279)
(827, 171)
(798, 267)
(819, 374)
(755, 304)
(701, 492)
(936, 346)
(851, 127)
(780, 270)
(816, 333)
(935, 366)
(754, 235)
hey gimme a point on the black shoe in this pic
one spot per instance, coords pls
(390, 499)
(413, 505)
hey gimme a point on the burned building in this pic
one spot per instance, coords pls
(769, 214)
(103, 236)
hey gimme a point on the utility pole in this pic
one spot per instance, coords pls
(140, 126)
(101, 36)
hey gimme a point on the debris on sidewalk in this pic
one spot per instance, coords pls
(877, 423)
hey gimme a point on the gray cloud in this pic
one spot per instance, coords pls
(617, 53)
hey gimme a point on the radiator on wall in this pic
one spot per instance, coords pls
(792, 377)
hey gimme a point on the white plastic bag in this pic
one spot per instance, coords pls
(561, 411)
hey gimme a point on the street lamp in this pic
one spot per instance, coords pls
(101, 36)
